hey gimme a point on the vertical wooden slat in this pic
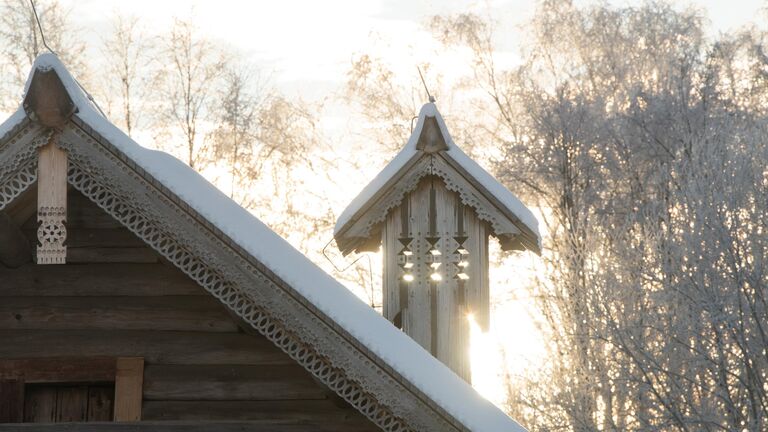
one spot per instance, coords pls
(100, 399)
(11, 401)
(40, 404)
(71, 403)
(129, 381)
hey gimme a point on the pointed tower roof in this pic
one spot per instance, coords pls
(432, 151)
(250, 269)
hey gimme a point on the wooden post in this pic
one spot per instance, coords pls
(129, 382)
(52, 203)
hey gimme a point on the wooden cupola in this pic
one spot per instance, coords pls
(432, 209)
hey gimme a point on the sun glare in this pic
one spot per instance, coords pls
(487, 364)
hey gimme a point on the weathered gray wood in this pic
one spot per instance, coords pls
(159, 347)
(321, 412)
(71, 403)
(129, 384)
(193, 382)
(100, 403)
(107, 237)
(11, 401)
(47, 100)
(40, 404)
(96, 280)
(58, 369)
(15, 250)
(82, 213)
(140, 255)
(436, 317)
(181, 313)
(251, 426)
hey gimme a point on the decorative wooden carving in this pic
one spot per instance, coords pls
(52, 204)
(240, 282)
(430, 292)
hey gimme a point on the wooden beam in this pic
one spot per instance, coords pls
(52, 204)
(47, 100)
(129, 383)
(58, 369)
(14, 247)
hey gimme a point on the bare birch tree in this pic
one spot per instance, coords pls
(190, 70)
(126, 53)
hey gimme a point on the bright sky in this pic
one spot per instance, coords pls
(306, 46)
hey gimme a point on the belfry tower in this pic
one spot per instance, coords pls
(433, 209)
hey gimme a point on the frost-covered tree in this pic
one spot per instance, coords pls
(190, 71)
(21, 42)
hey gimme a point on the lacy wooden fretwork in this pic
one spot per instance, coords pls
(367, 224)
(254, 293)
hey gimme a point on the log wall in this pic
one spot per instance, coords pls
(117, 298)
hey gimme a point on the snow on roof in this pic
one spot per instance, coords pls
(501, 193)
(394, 347)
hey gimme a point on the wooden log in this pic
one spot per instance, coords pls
(236, 382)
(179, 313)
(58, 369)
(304, 411)
(250, 426)
(14, 246)
(96, 280)
(83, 213)
(47, 100)
(161, 347)
(140, 255)
(129, 381)
(90, 237)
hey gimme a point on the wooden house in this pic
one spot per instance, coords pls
(134, 296)
(432, 209)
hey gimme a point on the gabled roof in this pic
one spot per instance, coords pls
(254, 272)
(431, 151)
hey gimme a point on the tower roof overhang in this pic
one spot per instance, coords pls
(431, 151)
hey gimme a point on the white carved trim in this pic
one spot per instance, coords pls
(248, 289)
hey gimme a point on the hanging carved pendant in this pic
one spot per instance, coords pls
(52, 204)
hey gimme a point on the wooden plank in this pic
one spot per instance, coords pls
(107, 237)
(237, 382)
(58, 369)
(40, 404)
(129, 382)
(15, 249)
(96, 280)
(140, 255)
(179, 313)
(250, 426)
(83, 213)
(71, 403)
(161, 347)
(11, 401)
(100, 403)
(321, 412)
(52, 203)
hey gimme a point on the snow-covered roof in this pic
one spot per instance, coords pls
(403, 355)
(398, 168)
